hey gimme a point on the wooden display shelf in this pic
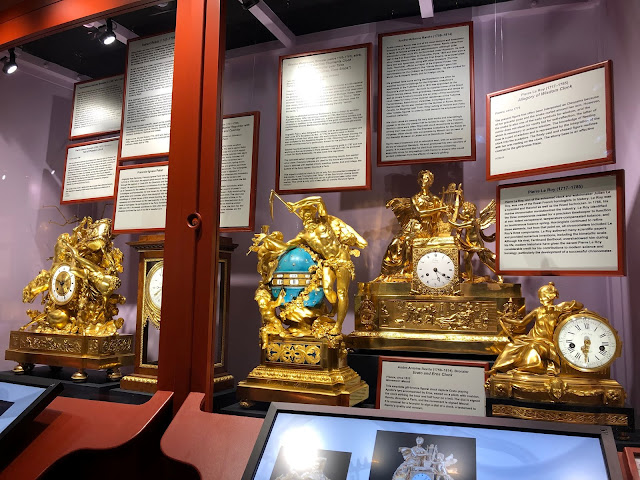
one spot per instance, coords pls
(218, 446)
(70, 425)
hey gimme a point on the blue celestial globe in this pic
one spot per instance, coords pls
(292, 274)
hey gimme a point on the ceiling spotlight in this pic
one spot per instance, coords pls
(247, 4)
(108, 37)
(10, 64)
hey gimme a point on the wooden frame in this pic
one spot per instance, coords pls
(620, 219)
(193, 176)
(115, 203)
(472, 125)
(609, 154)
(430, 361)
(367, 185)
(124, 104)
(64, 176)
(73, 105)
(254, 172)
(630, 455)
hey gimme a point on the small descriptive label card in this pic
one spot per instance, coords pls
(432, 388)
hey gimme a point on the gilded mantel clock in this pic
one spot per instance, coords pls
(429, 295)
(148, 321)
(564, 358)
(150, 271)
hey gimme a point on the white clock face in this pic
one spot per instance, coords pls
(435, 269)
(155, 287)
(63, 284)
(587, 343)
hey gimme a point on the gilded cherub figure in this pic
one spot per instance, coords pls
(470, 237)
(534, 352)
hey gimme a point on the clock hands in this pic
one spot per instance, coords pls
(435, 269)
(585, 349)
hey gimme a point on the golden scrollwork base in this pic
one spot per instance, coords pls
(77, 351)
(389, 317)
(556, 389)
(286, 376)
(565, 416)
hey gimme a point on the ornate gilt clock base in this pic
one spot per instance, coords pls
(552, 389)
(77, 351)
(390, 317)
(302, 370)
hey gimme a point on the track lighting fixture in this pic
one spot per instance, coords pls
(10, 64)
(108, 37)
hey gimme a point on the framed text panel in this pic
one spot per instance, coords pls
(239, 171)
(146, 115)
(141, 198)
(97, 107)
(432, 385)
(565, 226)
(426, 106)
(324, 121)
(554, 124)
(90, 171)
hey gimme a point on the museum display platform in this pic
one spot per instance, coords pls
(97, 386)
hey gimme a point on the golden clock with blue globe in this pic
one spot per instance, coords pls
(302, 300)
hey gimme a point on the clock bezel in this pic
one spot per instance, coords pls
(74, 283)
(451, 288)
(598, 318)
(151, 312)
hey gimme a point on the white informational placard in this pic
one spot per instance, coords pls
(453, 389)
(97, 107)
(426, 95)
(146, 123)
(141, 200)
(555, 124)
(90, 171)
(564, 226)
(323, 121)
(238, 171)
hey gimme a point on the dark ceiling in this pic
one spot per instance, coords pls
(79, 49)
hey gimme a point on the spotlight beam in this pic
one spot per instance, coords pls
(272, 22)
(426, 8)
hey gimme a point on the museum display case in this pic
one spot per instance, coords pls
(337, 106)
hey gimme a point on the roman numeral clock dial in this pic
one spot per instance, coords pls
(586, 342)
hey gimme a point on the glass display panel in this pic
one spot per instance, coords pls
(339, 445)
(17, 402)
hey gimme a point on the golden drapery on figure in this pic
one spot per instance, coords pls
(534, 352)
